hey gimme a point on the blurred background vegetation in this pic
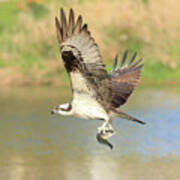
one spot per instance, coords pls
(29, 52)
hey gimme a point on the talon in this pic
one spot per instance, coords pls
(106, 133)
(103, 129)
(106, 130)
(110, 131)
(110, 127)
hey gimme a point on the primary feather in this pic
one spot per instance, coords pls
(124, 79)
(81, 56)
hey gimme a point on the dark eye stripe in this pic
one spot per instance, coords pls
(68, 108)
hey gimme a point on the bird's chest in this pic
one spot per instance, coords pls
(88, 108)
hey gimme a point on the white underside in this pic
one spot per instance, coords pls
(84, 104)
(88, 108)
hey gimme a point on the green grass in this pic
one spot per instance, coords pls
(8, 14)
(124, 37)
(174, 51)
(38, 10)
(8, 20)
(29, 52)
(154, 70)
(157, 71)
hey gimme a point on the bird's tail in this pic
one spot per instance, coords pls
(126, 116)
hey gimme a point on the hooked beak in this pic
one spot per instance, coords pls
(53, 111)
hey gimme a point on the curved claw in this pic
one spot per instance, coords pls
(102, 130)
(106, 130)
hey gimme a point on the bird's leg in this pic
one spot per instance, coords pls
(104, 133)
(110, 128)
(109, 131)
(103, 128)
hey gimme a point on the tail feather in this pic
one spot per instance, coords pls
(127, 117)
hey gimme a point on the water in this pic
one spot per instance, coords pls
(34, 145)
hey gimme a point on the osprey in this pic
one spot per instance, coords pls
(96, 94)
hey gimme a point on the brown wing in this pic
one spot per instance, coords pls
(124, 79)
(82, 58)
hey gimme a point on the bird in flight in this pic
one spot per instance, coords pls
(96, 94)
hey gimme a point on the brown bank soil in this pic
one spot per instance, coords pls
(10, 77)
(14, 78)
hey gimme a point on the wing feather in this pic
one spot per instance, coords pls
(132, 59)
(58, 30)
(123, 59)
(63, 23)
(77, 27)
(82, 58)
(71, 22)
(124, 79)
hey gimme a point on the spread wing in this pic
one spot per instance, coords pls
(124, 79)
(82, 58)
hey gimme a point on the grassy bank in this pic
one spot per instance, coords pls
(29, 53)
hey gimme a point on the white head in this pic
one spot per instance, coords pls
(63, 109)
